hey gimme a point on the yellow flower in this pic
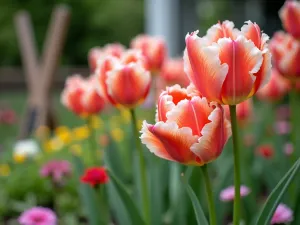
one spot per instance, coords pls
(81, 133)
(42, 132)
(96, 122)
(53, 145)
(126, 117)
(4, 170)
(64, 134)
(117, 134)
(19, 158)
(76, 149)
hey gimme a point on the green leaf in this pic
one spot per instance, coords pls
(201, 219)
(276, 195)
(134, 214)
(87, 195)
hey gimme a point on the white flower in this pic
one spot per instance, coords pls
(28, 148)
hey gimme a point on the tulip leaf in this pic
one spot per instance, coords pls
(132, 210)
(88, 196)
(276, 195)
(200, 217)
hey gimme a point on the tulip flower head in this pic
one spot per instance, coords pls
(97, 53)
(282, 215)
(275, 89)
(81, 97)
(95, 176)
(124, 81)
(38, 216)
(290, 17)
(173, 72)
(228, 65)
(286, 55)
(189, 129)
(153, 49)
(227, 194)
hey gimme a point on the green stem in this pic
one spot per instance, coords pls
(211, 204)
(237, 176)
(142, 164)
(294, 114)
(92, 142)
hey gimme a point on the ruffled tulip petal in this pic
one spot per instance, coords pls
(244, 60)
(220, 30)
(207, 70)
(290, 17)
(169, 142)
(214, 136)
(252, 32)
(128, 85)
(191, 113)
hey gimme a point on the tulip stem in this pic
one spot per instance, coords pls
(142, 164)
(294, 114)
(237, 176)
(211, 204)
(92, 141)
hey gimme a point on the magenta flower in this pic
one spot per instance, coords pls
(227, 194)
(56, 170)
(283, 214)
(38, 216)
(288, 149)
(282, 127)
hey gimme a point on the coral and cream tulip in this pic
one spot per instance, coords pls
(173, 72)
(189, 129)
(275, 89)
(95, 176)
(124, 81)
(81, 97)
(227, 65)
(290, 17)
(97, 53)
(286, 55)
(154, 50)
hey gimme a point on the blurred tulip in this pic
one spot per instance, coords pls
(266, 151)
(283, 112)
(153, 48)
(173, 72)
(286, 55)
(97, 53)
(275, 89)
(81, 133)
(189, 130)
(282, 215)
(227, 65)
(290, 17)
(125, 81)
(26, 149)
(95, 176)
(81, 97)
(244, 111)
(227, 194)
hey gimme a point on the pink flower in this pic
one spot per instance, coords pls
(288, 149)
(282, 214)
(282, 127)
(227, 194)
(56, 170)
(38, 216)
